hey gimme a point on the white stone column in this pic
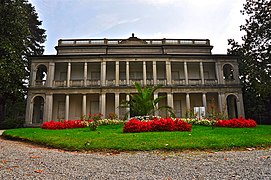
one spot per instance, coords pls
(117, 103)
(236, 74)
(168, 72)
(103, 103)
(117, 73)
(84, 105)
(188, 108)
(224, 103)
(155, 95)
(170, 100)
(204, 101)
(220, 102)
(85, 73)
(201, 73)
(127, 73)
(219, 74)
(154, 69)
(144, 73)
(68, 74)
(128, 109)
(103, 74)
(241, 111)
(185, 72)
(48, 113)
(34, 76)
(67, 107)
(29, 110)
(51, 74)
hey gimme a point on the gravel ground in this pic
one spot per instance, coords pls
(19, 160)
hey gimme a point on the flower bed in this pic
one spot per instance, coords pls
(204, 122)
(236, 123)
(162, 124)
(66, 124)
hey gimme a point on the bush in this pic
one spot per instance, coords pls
(66, 124)
(162, 124)
(12, 123)
(237, 123)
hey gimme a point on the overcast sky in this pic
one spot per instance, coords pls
(217, 20)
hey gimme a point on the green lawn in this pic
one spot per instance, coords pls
(111, 138)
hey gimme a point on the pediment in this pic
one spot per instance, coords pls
(133, 40)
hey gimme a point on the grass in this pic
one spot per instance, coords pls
(111, 138)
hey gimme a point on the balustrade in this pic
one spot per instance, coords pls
(77, 83)
(194, 82)
(40, 82)
(93, 82)
(210, 82)
(60, 83)
(178, 82)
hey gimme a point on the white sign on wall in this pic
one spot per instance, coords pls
(199, 112)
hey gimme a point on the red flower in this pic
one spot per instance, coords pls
(66, 124)
(236, 123)
(162, 124)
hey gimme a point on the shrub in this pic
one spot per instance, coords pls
(66, 124)
(237, 123)
(94, 117)
(112, 116)
(162, 124)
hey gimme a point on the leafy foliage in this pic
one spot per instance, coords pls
(143, 103)
(255, 58)
(20, 36)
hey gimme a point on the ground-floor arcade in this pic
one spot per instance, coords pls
(59, 105)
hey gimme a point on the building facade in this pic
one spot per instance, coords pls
(96, 75)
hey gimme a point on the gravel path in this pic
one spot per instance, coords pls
(19, 160)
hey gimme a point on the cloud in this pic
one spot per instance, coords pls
(158, 2)
(217, 20)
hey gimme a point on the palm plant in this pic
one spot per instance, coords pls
(143, 103)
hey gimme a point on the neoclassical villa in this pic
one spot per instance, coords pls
(96, 75)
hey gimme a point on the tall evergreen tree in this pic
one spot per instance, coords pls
(20, 36)
(255, 58)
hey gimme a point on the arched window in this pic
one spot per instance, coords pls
(38, 108)
(41, 75)
(232, 106)
(228, 72)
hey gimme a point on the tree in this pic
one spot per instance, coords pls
(255, 58)
(20, 36)
(143, 103)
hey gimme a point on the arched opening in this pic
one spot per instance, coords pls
(228, 72)
(41, 75)
(232, 106)
(38, 108)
